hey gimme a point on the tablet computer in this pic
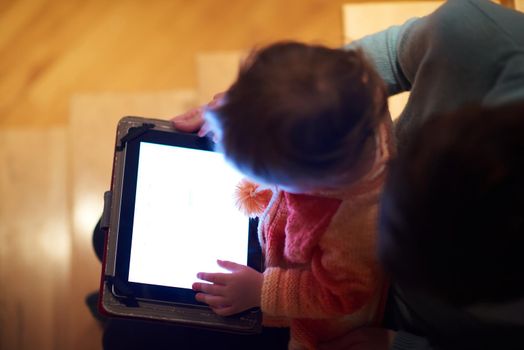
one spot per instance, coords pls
(171, 213)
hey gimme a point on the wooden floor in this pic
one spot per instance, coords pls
(50, 50)
(69, 69)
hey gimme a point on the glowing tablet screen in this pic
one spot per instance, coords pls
(185, 216)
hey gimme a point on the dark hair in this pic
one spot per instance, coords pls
(452, 212)
(300, 111)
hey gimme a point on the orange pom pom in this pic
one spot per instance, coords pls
(251, 199)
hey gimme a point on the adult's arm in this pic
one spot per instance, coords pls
(382, 49)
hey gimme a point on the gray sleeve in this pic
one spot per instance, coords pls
(382, 49)
(408, 341)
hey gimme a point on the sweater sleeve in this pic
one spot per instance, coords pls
(298, 293)
(343, 275)
(382, 48)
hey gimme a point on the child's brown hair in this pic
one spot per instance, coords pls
(300, 112)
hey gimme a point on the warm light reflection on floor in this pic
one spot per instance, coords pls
(55, 242)
(88, 207)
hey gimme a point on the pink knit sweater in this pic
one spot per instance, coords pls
(322, 277)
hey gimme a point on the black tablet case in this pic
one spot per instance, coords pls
(127, 305)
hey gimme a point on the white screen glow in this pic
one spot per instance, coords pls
(185, 216)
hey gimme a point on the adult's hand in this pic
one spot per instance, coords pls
(365, 338)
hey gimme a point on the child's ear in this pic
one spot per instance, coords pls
(251, 198)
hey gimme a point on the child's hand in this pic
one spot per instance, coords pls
(230, 293)
(190, 121)
(193, 120)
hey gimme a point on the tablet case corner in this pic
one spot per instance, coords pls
(124, 304)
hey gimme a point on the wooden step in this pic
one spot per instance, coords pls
(215, 72)
(35, 242)
(92, 127)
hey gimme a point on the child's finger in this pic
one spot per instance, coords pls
(224, 311)
(213, 289)
(220, 278)
(190, 121)
(204, 130)
(229, 265)
(212, 300)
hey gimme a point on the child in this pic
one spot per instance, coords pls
(313, 123)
